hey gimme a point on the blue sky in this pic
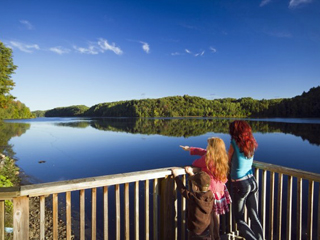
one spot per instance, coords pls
(90, 52)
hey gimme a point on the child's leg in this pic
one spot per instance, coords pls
(216, 225)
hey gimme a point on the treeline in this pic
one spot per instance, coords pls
(187, 127)
(306, 105)
(72, 111)
(15, 110)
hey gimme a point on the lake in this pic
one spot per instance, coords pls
(53, 149)
(69, 148)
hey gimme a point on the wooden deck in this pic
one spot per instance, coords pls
(146, 205)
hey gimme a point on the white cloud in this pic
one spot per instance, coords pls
(27, 24)
(213, 49)
(24, 47)
(145, 47)
(295, 3)
(99, 47)
(196, 54)
(59, 50)
(105, 46)
(93, 50)
(175, 54)
(264, 2)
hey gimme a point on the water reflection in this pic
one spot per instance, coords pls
(7, 131)
(187, 127)
(101, 146)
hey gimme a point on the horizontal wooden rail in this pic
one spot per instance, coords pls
(108, 180)
(83, 183)
(287, 171)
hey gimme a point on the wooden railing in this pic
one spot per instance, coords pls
(145, 205)
(288, 202)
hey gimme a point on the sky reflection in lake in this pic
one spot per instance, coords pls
(78, 148)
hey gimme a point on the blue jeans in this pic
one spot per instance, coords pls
(245, 193)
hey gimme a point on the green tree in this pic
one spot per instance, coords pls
(7, 68)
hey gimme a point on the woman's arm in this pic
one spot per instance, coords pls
(197, 151)
(230, 152)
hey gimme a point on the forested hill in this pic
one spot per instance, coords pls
(306, 105)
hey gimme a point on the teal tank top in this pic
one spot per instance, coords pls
(240, 165)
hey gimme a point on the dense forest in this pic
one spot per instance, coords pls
(15, 110)
(9, 108)
(306, 105)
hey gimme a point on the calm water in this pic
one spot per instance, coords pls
(82, 147)
(78, 148)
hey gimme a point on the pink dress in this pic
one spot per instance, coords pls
(219, 189)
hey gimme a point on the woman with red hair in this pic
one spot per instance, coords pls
(244, 185)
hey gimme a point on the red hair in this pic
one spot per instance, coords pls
(241, 132)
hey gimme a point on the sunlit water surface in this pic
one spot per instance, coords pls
(69, 148)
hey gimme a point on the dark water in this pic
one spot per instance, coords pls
(82, 147)
(78, 148)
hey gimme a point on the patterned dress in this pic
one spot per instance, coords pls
(219, 188)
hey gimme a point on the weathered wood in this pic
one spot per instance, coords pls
(2, 212)
(117, 202)
(183, 210)
(93, 182)
(93, 213)
(136, 211)
(175, 212)
(287, 171)
(42, 217)
(126, 212)
(21, 218)
(82, 214)
(299, 208)
(166, 208)
(230, 219)
(279, 204)
(68, 214)
(170, 220)
(310, 209)
(264, 201)
(289, 208)
(109, 180)
(105, 214)
(256, 175)
(271, 206)
(55, 220)
(155, 208)
(147, 207)
(8, 193)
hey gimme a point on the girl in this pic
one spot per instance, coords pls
(214, 161)
(244, 185)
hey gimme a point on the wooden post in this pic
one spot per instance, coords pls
(2, 211)
(155, 208)
(21, 218)
(166, 230)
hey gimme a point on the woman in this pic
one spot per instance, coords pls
(244, 185)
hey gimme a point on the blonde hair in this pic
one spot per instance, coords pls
(217, 158)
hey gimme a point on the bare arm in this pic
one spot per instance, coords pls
(230, 152)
